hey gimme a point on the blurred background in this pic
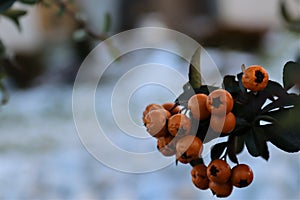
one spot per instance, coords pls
(41, 154)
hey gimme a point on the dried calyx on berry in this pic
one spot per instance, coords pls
(218, 171)
(219, 102)
(188, 148)
(255, 78)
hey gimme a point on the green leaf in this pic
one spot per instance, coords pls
(249, 105)
(194, 70)
(217, 150)
(107, 22)
(239, 76)
(287, 119)
(253, 106)
(231, 85)
(256, 143)
(241, 124)
(261, 142)
(290, 117)
(239, 143)
(285, 139)
(284, 101)
(29, 2)
(272, 90)
(5, 4)
(250, 144)
(291, 74)
(265, 118)
(183, 98)
(285, 133)
(231, 149)
(14, 15)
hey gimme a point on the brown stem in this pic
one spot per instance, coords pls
(243, 67)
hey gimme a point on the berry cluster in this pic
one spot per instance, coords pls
(220, 178)
(176, 132)
(182, 127)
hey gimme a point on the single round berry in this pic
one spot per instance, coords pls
(179, 124)
(223, 124)
(150, 107)
(199, 177)
(255, 78)
(166, 145)
(188, 148)
(218, 171)
(241, 176)
(197, 106)
(171, 107)
(219, 102)
(220, 189)
(156, 123)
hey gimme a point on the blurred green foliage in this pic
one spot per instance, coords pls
(14, 15)
(4, 5)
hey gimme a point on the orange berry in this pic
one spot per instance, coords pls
(171, 108)
(166, 145)
(149, 108)
(188, 148)
(223, 124)
(197, 106)
(219, 102)
(168, 114)
(199, 177)
(221, 189)
(179, 124)
(241, 176)
(218, 171)
(255, 78)
(156, 123)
